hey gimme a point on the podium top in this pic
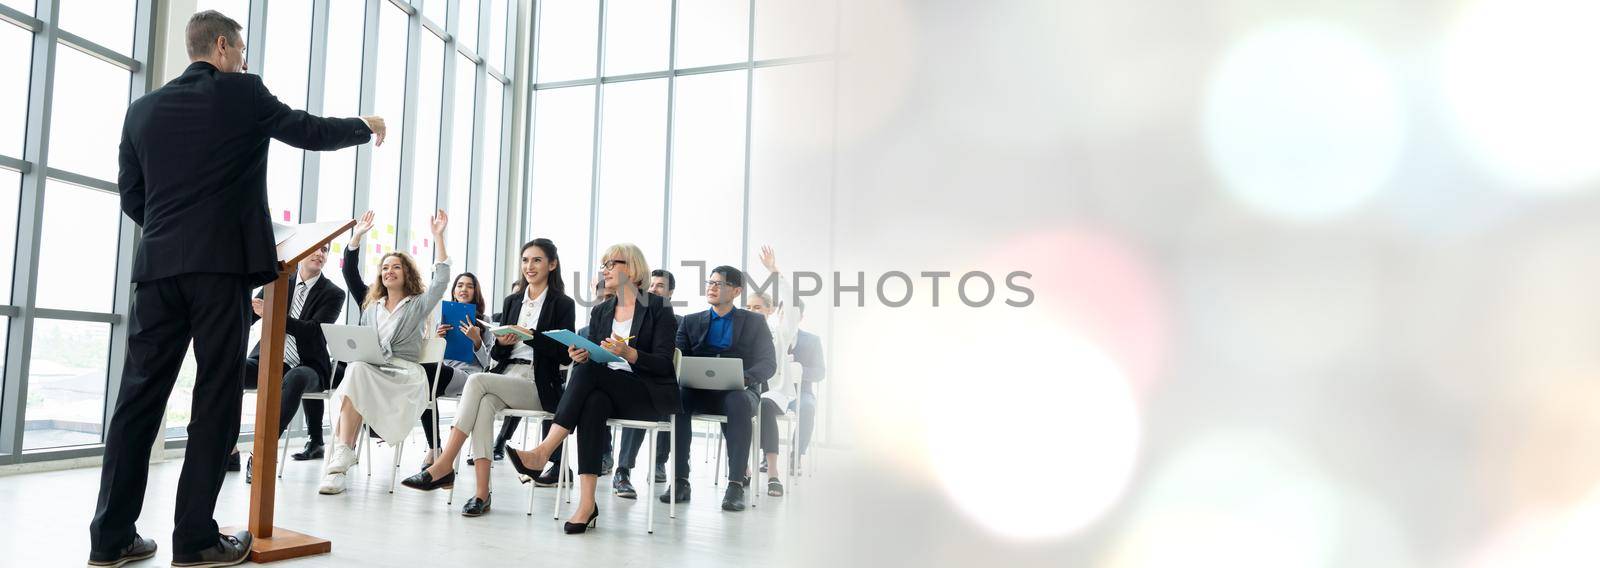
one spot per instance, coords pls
(308, 237)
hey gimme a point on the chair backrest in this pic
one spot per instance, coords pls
(677, 361)
(432, 350)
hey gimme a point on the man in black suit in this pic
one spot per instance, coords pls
(724, 331)
(313, 301)
(193, 175)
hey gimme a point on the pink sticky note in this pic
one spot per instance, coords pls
(413, 250)
(285, 214)
(424, 242)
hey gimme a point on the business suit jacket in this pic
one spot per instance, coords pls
(752, 343)
(653, 331)
(557, 312)
(193, 172)
(324, 302)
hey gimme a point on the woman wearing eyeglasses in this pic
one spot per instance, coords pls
(638, 327)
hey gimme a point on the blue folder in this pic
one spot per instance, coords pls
(457, 346)
(596, 353)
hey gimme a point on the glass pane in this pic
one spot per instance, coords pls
(707, 175)
(633, 165)
(10, 191)
(5, 330)
(384, 195)
(108, 23)
(14, 71)
(713, 32)
(637, 32)
(239, 10)
(24, 6)
(434, 10)
(792, 28)
(460, 151)
(425, 177)
(284, 72)
(497, 34)
(489, 199)
(66, 384)
(558, 204)
(467, 25)
(342, 97)
(568, 32)
(78, 248)
(791, 167)
(86, 119)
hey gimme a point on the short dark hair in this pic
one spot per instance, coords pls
(730, 275)
(205, 27)
(672, 282)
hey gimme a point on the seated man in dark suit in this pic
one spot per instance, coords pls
(313, 301)
(724, 331)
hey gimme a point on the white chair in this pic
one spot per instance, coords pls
(432, 352)
(650, 430)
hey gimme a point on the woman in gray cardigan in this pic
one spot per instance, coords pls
(388, 397)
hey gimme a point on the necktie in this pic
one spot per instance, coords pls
(291, 354)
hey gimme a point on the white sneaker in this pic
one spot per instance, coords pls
(333, 484)
(341, 458)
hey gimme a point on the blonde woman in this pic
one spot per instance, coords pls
(390, 397)
(638, 327)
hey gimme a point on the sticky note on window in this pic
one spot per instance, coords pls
(424, 242)
(388, 229)
(336, 248)
(413, 250)
(286, 215)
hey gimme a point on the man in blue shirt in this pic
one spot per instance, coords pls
(724, 331)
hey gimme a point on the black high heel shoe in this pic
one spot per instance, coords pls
(514, 456)
(578, 528)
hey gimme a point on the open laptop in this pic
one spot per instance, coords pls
(353, 343)
(712, 373)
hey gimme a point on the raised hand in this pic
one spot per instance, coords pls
(769, 259)
(440, 221)
(363, 226)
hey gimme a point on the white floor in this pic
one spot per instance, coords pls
(44, 520)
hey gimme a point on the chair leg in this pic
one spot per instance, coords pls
(672, 469)
(716, 467)
(394, 473)
(283, 456)
(753, 475)
(649, 500)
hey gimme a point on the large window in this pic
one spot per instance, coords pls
(563, 149)
(708, 175)
(283, 72)
(86, 117)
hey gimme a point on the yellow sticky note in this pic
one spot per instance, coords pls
(388, 229)
(336, 247)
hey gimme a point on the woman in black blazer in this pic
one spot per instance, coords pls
(638, 327)
(526, 374)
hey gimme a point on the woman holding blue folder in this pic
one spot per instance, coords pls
(526, 373)
(637, 327)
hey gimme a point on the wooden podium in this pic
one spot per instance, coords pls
(271, 543)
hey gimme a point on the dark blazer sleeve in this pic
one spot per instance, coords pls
(130, 180)
(682, 336)
(565, 317)
(762, 363)
(303, 130)
(352, 273)
(657, 362)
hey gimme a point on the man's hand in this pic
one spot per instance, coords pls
(375, 124)
(258, 305)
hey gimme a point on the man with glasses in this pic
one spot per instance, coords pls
(724, 331)
(306, 367)
(192, 173)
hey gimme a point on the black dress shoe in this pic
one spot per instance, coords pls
(228, 551)
(140, 549)
(424, 481)
(622, 487)
(733, 499)
(476, 507)
(313, 451)
(661, 473)
(233, 461)
(551, 476)
(682, 493)
(579, 528)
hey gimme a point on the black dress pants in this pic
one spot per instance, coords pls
(597, 393)
(296, 383)
(214, 311)
(738, 406)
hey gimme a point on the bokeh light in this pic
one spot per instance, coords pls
(1522, 81)
(1302, 121)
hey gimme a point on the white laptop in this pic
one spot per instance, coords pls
(353, 343)
(712, 373)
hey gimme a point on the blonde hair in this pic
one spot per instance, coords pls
(412, 285)
(637, 265)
